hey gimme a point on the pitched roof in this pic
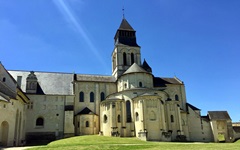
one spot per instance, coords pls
(192, 107)
(85, 111)
(4, 98)
(95, 78)
(7, 92)
(159, 81)
(135, 69)
(218, 115)
(48, 82)
(125, 25)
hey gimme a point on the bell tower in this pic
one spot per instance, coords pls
(126, 50)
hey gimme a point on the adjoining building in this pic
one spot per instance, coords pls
(131, 102)
(12, 110)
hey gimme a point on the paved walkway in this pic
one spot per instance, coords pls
(15, 148)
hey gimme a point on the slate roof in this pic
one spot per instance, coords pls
(4, 97)
(236, 129)
(85, 111)
(48, 82)
(192, 107)
(94, 78)
(7, 92)
(135, 69)
(125, 35)
(205, 118)
(146, 67)
(218, 115)
(125, 25)
(161, 82)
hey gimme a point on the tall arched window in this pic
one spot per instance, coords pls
(176, 97)
(4, 79)
(119, 118)
(40, 121)
(137, 117)
(105, 118)
(102, 96)
(128, 113)
(91, 97)
(132, 58)
(172, 118)
(124, 58)
(140, 84)
(81, 97)
(87, 124)
(152, 116)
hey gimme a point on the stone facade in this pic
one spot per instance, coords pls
(131, 102)
(12, 110)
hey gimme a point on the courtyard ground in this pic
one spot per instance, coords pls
(102, 142)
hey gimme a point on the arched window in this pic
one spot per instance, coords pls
(119, 118)
(125, 85)
(81, 97)
(176, 97)
(102, 96)
(128, 109)
(4, 127)
(105, 118)
(140, 84)
(137, 117)
(87, 124)
(4, 79)
(124, 58)
(152, 116)
(40, 121)
(172, 118)
(91, 97)
(132, 58)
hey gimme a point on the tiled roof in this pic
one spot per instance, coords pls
(218, 115)
(48, 82)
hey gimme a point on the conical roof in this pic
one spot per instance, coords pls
(146, 66)
(135, 68)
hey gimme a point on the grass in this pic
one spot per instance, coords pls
(116, 143)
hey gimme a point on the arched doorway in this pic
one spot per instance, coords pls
(4, 134)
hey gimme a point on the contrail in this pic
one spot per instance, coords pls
(69, 15)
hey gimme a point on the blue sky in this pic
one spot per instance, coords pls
(196, 40)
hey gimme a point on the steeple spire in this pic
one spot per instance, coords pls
(125, 34)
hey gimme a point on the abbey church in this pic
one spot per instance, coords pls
(132, 102)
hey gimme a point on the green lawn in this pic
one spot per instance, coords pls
(102, 142)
